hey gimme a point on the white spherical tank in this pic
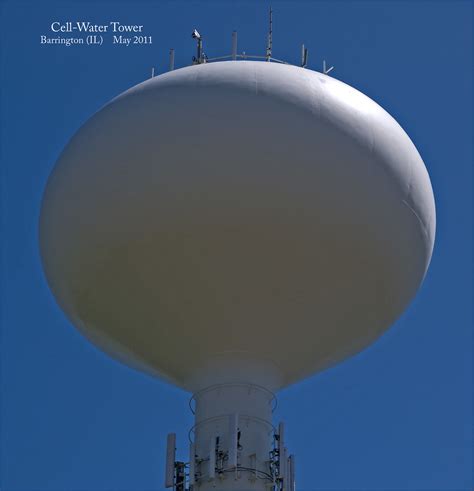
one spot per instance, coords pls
(245, 208)
(237, 222)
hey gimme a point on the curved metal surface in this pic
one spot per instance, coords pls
(247, 207)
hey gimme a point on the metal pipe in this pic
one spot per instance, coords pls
(234, 45)
(171, 59)
(199, 50)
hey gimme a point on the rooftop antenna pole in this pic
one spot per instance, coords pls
(304, 56)
(234, 45)
(171, 59)
(270, 33)
(199, 57)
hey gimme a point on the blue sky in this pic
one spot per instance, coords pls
(398, 416)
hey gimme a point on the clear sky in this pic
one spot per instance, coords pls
(398, 416)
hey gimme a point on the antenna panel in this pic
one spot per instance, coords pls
(233, 437)
(234, 45)
(171, 59)
(212, 458)
(170, 460)
(192, 463)
(291, 473)
(281, 438)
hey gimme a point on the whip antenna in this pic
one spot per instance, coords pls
(270, 34)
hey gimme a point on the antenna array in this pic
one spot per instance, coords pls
(201, 57)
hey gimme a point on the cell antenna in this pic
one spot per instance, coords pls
(234, 45)
(170, 460)
(304, 56)
(171, 59)
(199, 58)
(270, 33)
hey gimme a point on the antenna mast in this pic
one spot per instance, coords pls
(171, 59)
(200, 56)
(270, 33)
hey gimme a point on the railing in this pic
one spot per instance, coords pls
(272, 397)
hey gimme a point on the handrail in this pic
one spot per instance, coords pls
(244, 56)
(226, 416)
(273, 398)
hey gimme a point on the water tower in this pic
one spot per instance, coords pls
(233, 227)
